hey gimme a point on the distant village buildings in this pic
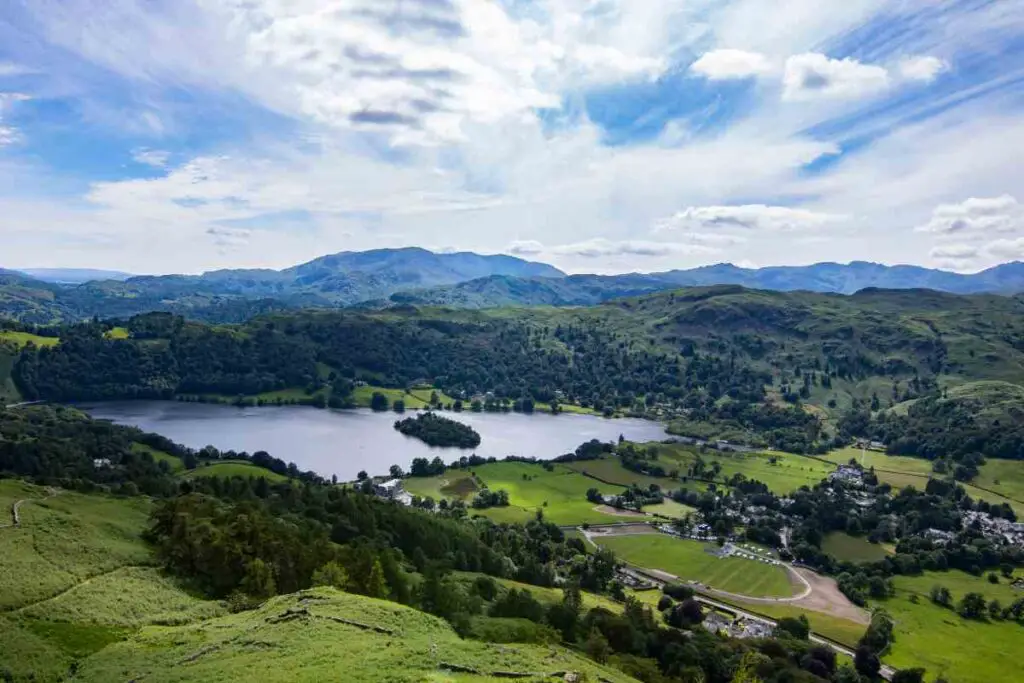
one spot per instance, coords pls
(393, 490)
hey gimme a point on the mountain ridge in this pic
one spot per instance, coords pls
(382, 278)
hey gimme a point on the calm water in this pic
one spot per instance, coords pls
(345, 442)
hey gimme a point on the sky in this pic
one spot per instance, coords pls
(158, 136)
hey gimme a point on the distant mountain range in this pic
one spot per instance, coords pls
(586, 290)
(73, 276)
(412, 276)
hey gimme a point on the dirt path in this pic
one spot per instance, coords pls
(16, 508)
(616, 512)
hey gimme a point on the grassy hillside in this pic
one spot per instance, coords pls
(314, 635)
(947, 645)
(77, 577)
(233, 468)
(846, 548)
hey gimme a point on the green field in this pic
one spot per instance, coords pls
(233, 468)
(453, 485)
(670, 509)
(1003, 476)
(689, 561)
(117, 333)
(415, 399)
(846, 548)
(944, 643)
(561, 493)
(786, 474)
(20, 339)
(333, 636)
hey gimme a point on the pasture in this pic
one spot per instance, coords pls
(20, 339)
(782, 472)
(453, 485)
(174, 463)
(561, 493)
(846, 548)
(690, 561)
(415, 398)
(946, 644)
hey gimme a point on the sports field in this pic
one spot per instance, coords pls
(690, 560)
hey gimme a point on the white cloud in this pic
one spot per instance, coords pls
(753, 217)
(600, 247)
(922, 68)
(12, 69)
(731, 64)
(812, 76)
(151, 157)
(976, 216)
(954, 252)
(1012, 249)
(525, 248)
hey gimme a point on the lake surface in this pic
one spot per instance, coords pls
(343, 442)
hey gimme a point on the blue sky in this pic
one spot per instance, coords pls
(599, 135)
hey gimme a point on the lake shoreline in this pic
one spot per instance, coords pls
(343, 442)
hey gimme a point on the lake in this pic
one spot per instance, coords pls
(343, 442)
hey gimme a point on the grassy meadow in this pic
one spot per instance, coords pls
(946, 644)
(689, 561)
(846, 548)
(782, 472)
(335, 632)
(20, 339)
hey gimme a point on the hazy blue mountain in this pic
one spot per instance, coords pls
(337, 280)
(583, 290)
(73, 276)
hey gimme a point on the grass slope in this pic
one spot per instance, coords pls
(72, 581)
(689, 560)
(233, 468)
(314, 636)
(947, 645)
(786, 474)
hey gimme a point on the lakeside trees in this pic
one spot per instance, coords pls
(435, 430)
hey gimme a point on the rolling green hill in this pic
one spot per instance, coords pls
(314, 635)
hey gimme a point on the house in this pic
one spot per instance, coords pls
(99, 463)
(389, 489)
(847, 475)
(716, 622)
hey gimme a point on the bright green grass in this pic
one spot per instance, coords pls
(1003, 476)
(688, 560)
(172, 461)
(233, 468)
(561, 493)
(944, 643)
(65, 540)
(24, 338)
(129, 597)
(610, 469)
(671, 509)
(788, 473)
(414, 398)
(117, 333)
(848, 548)
(881, 461)
(321, 648)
